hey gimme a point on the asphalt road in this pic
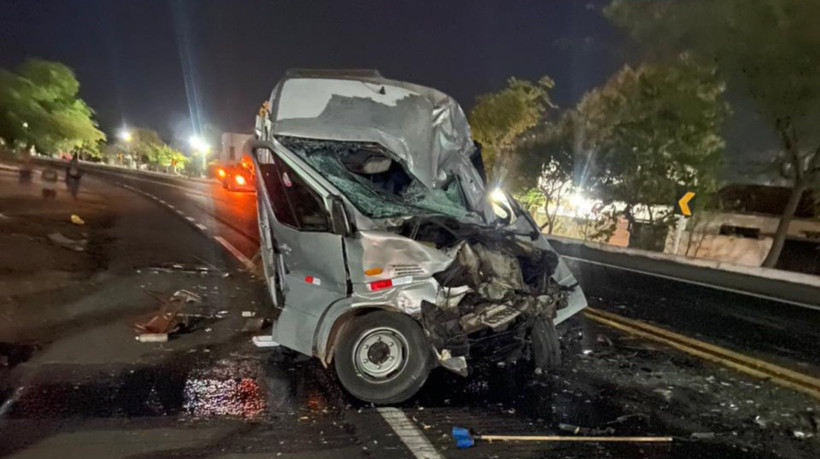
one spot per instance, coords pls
(94, 392)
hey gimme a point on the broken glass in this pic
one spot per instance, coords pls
(390, 194)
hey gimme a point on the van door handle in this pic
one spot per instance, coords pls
(284, 248)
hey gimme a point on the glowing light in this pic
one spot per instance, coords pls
(221, 172)
(126, 136)
(497, 195)
(240, 180)
(581, 204)
(198, 144)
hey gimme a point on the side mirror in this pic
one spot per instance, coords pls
(338, 217)
(261, 151)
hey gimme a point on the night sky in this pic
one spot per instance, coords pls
(172, 65)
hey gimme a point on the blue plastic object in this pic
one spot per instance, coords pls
(462, 437)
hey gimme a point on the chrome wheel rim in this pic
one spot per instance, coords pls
(380, 354)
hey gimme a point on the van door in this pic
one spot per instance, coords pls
(303, 257)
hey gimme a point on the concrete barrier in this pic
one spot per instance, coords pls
(784, 286)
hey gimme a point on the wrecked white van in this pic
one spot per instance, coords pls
(384, 251)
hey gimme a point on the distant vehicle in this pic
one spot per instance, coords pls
(238, 177)
(384, 250)
(233, 165)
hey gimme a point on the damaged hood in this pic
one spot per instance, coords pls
(424, 128)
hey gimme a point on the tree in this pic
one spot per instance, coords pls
(39, 107)
(543, 163)
(648, 131)
(499, 117)
(149, 148)
(767, 49)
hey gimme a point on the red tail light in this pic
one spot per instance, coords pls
(380, 284)
(220, 172)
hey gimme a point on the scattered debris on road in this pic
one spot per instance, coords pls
(77, 220)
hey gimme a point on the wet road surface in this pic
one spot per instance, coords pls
(95, 392)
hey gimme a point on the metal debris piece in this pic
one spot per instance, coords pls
(77, 220)
(167, 320)
(188, 296)
(800, 435)
(152, 337)
(248, 313)
(71, 244)
(254, 325)
(702, 435)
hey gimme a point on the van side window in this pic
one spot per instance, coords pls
(294, 203)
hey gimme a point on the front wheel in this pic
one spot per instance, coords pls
(546, 345)
(383, 357)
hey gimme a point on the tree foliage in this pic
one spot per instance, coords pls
(39, 107)
(149, 149)
(767, 49)
(542, 168)
(648, 131)
(499, 117)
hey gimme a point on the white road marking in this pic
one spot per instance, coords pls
(202, 227)
(171, 185)
(236, 253)
(171, 206)
(3, 217)
(7, 404)
(412, 437)
(190, 219)
(702, 284)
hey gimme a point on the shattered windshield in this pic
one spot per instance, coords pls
(377, 185)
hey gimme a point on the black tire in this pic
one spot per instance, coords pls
(405, 381)
(546, 345)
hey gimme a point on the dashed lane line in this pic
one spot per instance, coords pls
(409, 434)
(247, 263)
(202, 227)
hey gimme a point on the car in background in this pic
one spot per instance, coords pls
(237, 177)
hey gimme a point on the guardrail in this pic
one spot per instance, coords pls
(783, 286)
(126, 171)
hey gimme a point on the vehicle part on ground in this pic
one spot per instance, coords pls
(383, 357)
(465, 439)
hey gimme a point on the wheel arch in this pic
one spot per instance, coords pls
(333, 324)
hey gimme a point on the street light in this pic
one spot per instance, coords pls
(126, 136)
(25, 124)
(200, 146)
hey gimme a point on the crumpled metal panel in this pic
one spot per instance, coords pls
(405, 298)
(423, 127)
(394, 254)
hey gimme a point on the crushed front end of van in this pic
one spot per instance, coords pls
(384, 251)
